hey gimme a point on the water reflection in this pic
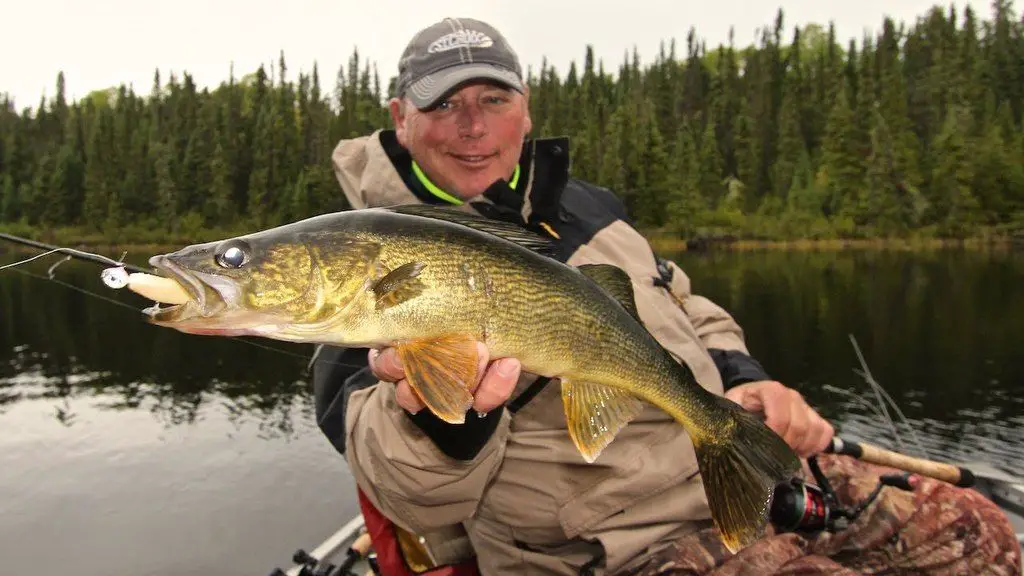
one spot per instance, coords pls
(939, 330)
(132, 449)
(67, 346)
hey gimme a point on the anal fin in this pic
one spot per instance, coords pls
(595, 413)
(442, 371)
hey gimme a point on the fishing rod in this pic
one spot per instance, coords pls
(956, 475)
(800, 506)
(89, 257)
(811, 508)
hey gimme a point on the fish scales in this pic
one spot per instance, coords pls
(431, 282)
(594, 343)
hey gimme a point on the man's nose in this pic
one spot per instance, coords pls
(472, 123)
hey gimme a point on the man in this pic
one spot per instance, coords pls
(511, 480)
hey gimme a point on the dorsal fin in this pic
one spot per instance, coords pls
(507, 230)
(615, 282)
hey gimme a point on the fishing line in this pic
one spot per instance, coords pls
(51, 271)
(50, 249)
(134, 309)
(27, 260)
(77, 289)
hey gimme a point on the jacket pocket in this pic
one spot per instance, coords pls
(653, 455)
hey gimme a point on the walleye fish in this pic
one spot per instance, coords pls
(432, 281)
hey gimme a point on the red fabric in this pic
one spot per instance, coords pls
(389, 555)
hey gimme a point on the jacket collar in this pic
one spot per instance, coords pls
(375, 170)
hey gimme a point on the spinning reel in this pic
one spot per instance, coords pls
(807, 508)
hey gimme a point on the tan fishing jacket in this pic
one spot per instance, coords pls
(513, 479)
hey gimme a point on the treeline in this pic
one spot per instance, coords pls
(914, 130)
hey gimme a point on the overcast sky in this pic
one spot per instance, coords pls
(102, 43)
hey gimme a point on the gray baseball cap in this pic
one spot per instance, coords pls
(450, 52)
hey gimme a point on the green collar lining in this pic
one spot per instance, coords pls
(433, 189)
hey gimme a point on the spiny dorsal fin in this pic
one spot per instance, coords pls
(507, 230)
(399, 285)
(615, 282)
(594, 414)
(442, 370)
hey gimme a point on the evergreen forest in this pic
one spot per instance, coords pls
(914, 130)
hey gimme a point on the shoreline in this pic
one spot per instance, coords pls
(661, 242)
(675, 244)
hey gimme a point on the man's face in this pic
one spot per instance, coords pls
(471, 138)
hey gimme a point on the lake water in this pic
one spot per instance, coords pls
(128, 449)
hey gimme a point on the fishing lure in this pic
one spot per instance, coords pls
(158, 288)
(115, 278)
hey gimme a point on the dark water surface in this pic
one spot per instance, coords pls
(941, 331)
(127, 449)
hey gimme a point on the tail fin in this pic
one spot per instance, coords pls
(740, 469)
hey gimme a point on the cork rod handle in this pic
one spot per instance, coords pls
(950, 473)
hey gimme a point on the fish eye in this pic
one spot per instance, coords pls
(232, 254)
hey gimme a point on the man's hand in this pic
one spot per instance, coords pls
(786, 413)
(491, 390)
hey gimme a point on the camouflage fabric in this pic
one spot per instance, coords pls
(937, 529)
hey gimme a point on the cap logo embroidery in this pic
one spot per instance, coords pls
(459, 39)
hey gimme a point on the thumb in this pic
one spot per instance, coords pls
(746, 397)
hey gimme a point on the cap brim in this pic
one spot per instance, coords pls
(426, 91)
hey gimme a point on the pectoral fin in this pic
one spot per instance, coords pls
(595, 413)
(399, 285)
(441, 371)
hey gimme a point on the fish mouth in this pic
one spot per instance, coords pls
(205, 300)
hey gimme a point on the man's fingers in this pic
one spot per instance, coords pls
(736, 395)
(785, 412)
(385, 365)
(497, 384)
(749, 399)
(811, 438)
(483, 358)
(494, 384)
(821, 437)
(407, 398)
(799, 423)
(778, 412)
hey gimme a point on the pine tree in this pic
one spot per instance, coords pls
(685, 204)
(66, 188)
(166, 188)
(9, 205)
(956, 208)
(913, 127)
(710, 167)
(842, 166)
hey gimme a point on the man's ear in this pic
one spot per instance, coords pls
(397, 108)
